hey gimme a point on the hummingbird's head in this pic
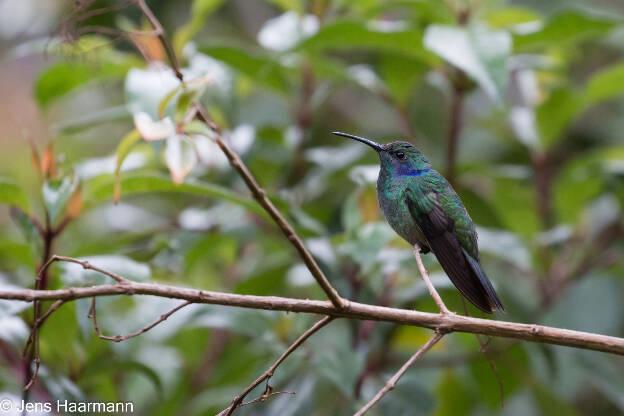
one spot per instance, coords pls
(397, 158)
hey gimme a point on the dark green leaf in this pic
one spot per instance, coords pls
(359, 35)
(200, 11)
(262, 69)
(101, 188)
(63, 77)
(606, 84)
(480, 52)
(554, 114)
(453, 398)
(566, 27)
(511, 16)
(12, 194)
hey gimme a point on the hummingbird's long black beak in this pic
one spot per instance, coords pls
(371, 143)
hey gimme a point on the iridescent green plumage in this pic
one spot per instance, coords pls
(424, 209)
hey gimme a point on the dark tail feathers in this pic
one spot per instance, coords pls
(488, 301)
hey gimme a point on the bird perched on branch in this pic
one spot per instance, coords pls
(424, 209)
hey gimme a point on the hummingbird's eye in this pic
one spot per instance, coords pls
(400, 155)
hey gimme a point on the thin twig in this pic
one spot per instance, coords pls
(119, 338)
(40, 321)
(40, 283)
(265, 396)
(432, 291)
(269, 373)
(392, 382)
(87, 266)
(162, 35)
(260, 195)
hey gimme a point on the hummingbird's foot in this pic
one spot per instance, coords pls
(432, 291)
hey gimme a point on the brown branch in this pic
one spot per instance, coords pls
(269, 373)
(119, 338)
(162, 35)
(85, 265)
(432, 291)
(260, 195)
(40, 321)
(350, 310)
(542, 177)
(392, 382)
(41, 281)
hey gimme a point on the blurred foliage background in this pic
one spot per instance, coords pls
(519, 102)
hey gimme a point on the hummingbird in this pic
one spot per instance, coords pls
(422, 207)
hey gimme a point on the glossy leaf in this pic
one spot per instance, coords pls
(554, 115)
(480, 52)
(101, 188)
(12, 194)
(56, 193)
(200, 12)
(605, 84)
(260, 68)
(566, 27)
(63, 77)
(359, 35)
(123, 149)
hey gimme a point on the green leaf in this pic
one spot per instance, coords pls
(510, 16)
(513, 201)
(116, 366)
(606, 84)
(401, 73)
(12, 251)
(56, 194)
(583, 179)
(506, 364)
(101, 188)
(123, 149)
(12, 194)
(162, 105)
(480, 52)
(336, 362)
(555, 113)
(27, 227)
(63, 77)
(453, 397)
(200, 11)
(359, 35)
(567, 27)
(550, 404)
(564, 105)
(191, 92)
(260, 68)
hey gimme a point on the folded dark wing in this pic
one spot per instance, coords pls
(440, 234)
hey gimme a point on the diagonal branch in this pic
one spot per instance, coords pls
(238, 401)
(432, 291)
(162, 35)
(392, 382)
(260, 195)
